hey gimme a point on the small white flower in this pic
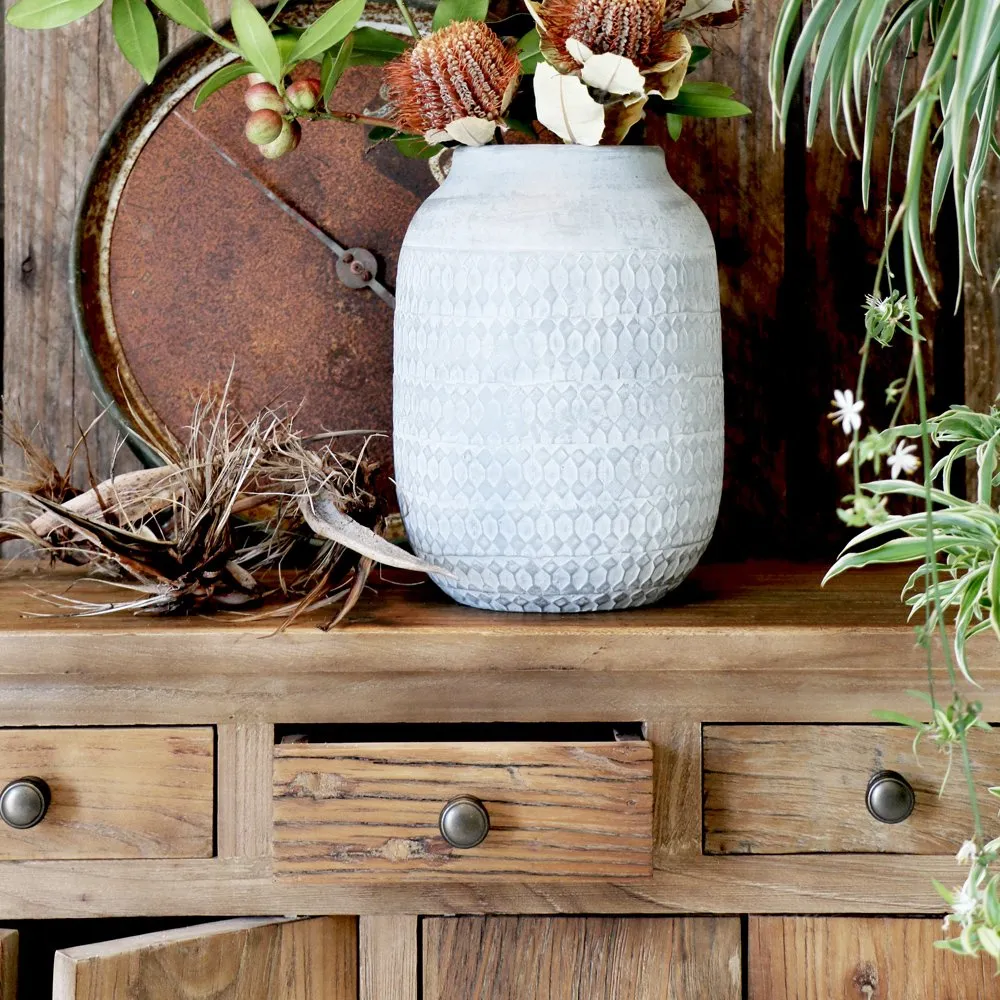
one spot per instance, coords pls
(846, 457)
(966, 853)
(848, 411)
(904, 460)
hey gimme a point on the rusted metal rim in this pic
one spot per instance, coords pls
(93, 224)
(179, 74)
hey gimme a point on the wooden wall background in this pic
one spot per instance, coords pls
(797, 256)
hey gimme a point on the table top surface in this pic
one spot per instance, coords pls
(718, 597)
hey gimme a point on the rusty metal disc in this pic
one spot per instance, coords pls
(186, 267)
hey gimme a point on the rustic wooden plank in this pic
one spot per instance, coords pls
(982, 302)
(801, 789)
(246, 959)
(243, 765)
(677, 786)
(802, 652)
(116, 793)
(8, 964)
(388, 959)
(581, 958)
(737, 178)
(817, 883)
(876, 958)
(556, 809)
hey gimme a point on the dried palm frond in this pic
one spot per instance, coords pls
(244, 510)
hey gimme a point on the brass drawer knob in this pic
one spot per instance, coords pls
(464, 822)
(24, 802)
(890, 797)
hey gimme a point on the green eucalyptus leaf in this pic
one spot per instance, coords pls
(328, 29)
(379, 133)
(334, 66)
(374, 47)
(191, 14)
(705, 87)
(219, 79)
(256, 41)
(49, 13)
(135, 33)
(414, 147)
(448, 11)
(699, 53)
(693, 105)
(529, 51)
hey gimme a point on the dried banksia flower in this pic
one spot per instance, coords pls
(630, 28)
(454, 84)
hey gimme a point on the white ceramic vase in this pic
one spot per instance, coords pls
(557, 414)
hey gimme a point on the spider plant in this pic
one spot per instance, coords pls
(942, 58)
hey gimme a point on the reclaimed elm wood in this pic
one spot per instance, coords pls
(757, 642)
(116, 793)
(677, 786)
(738, 178)
(801, 789)
(815, 883)
(243, 766)
(982, 301)
(875, 958)
(8, 964)
(232, 960)
(581, 958)
(556, 809)
(388, 960)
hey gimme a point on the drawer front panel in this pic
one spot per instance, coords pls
(555, 809)
(782, 789)
(115, 793)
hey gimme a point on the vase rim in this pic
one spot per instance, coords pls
(496, 149)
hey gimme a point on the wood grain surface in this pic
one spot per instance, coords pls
(581, 958)
(388, 959)
(232, 960)
(556, 810)
(116, 793)
(801, 789)
(726, 884)
(850, 958)
(757, 642)
(8, 964)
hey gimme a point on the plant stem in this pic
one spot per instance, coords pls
(931, 555)
(408, 19)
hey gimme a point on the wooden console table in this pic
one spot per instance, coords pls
(687, 776)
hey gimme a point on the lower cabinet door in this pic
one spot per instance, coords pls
(230, 960)
(8, 964)
(582, 958)
(872, 958)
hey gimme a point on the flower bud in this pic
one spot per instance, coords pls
(264, 97)
(264, 126)
(291, 132)
(303, 95)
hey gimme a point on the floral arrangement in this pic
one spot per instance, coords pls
(945, 119)
(593, 66)
(242, 512)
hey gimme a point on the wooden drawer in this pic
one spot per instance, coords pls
(555, 809)
(788, 789)
(115, 793)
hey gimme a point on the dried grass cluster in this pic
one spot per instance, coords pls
(243, 511)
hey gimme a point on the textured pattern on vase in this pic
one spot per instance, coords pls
(558, 422)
